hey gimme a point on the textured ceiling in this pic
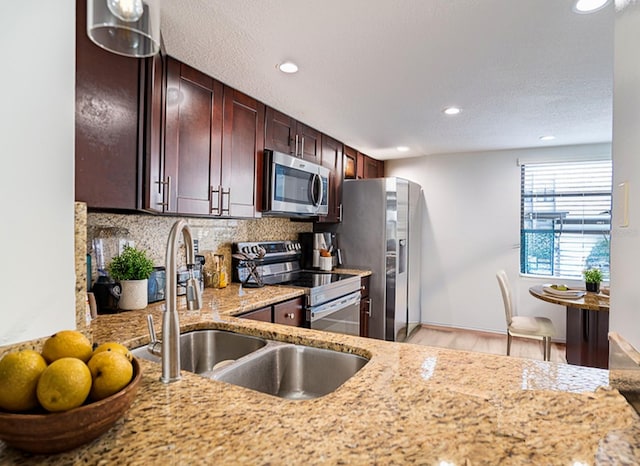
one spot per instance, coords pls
(376, 74)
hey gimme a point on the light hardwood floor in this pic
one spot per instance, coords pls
(484, 342)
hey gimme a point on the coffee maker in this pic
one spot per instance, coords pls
(313, 243)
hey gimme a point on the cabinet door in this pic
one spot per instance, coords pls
(263, 314)
(309, 143)
(192, 140)
(242, 148)
(370, 168)
(154, 180)
(279, 131)
(289, 313)
(107, 124)
(380, 168)
(331, 158)
(350, 163)
(360, 165)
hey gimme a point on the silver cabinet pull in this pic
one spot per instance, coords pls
(369, 302)
(290, 316)
(340, 212)
(166, 194)
(214, 207)
(224, 193)
(295, 152)
(302, 149)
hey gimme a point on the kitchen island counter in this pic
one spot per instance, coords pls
(409, 404)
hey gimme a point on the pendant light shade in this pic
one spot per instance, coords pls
(126, 27)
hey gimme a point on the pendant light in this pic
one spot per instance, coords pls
(126, 27)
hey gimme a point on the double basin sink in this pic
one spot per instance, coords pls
(280, 369)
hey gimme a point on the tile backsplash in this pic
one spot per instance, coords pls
(150, 232)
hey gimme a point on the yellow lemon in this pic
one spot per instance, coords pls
(67, 344)
(19, 374)
(64, 385)
(111, 372)
(115, 347)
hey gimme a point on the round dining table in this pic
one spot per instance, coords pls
(587, 326)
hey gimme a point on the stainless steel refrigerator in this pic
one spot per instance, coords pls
(380, 231)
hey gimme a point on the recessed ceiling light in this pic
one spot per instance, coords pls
(288, 67)
(451, 111)
(548, 137)
(402, 148)
(589, 6)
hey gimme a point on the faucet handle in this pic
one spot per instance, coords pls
(154, 345)
(152, 330)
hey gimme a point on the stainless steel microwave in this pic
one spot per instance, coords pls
(294, 186)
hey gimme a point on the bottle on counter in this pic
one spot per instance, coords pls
(222, 273)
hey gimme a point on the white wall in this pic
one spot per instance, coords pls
(625, 242)
(471, 228)
(37, 280)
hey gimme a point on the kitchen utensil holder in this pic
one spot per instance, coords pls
(253, 277)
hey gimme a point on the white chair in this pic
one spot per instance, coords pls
(536, 328)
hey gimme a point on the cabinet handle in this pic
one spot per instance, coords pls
(295, 152)
(214, 210)
(222, 195)
(369, 302)
(340, 212)
(166, 193)
(290, 316)
(302, 149)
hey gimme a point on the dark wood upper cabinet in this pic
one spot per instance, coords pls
(350, 163)
(367, 167)
(332, 158)
(214, 139)
(242, 149)
(193, 141)
(279, 131)
(287, 135)
(309, 142)
(109, 124)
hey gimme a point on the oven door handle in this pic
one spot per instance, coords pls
(324, 310)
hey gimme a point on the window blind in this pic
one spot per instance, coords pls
(565, 218)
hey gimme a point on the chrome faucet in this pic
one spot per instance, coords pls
(170, 320)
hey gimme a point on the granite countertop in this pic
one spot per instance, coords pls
(409, 404)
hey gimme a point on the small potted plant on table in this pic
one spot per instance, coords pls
(592, 279)
(132, 269)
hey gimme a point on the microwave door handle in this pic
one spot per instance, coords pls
(315, 201)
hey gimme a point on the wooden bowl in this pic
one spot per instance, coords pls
(58, 432)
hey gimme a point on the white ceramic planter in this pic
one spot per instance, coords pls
(133, 294)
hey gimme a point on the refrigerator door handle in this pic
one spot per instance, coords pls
(402, 255)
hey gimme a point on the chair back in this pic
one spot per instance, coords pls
(505, 289)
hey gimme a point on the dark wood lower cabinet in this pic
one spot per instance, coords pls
(263, 314)
(587, 337)
(289, 312)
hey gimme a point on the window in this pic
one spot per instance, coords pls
(565, 218)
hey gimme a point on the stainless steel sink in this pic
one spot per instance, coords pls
(280, 369)
(202, 350)
(292, 371)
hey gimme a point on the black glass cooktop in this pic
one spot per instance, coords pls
(311, 279)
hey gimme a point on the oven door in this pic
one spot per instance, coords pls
(341, 315)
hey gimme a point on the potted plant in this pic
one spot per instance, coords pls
(592, 279)
(132, 269)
